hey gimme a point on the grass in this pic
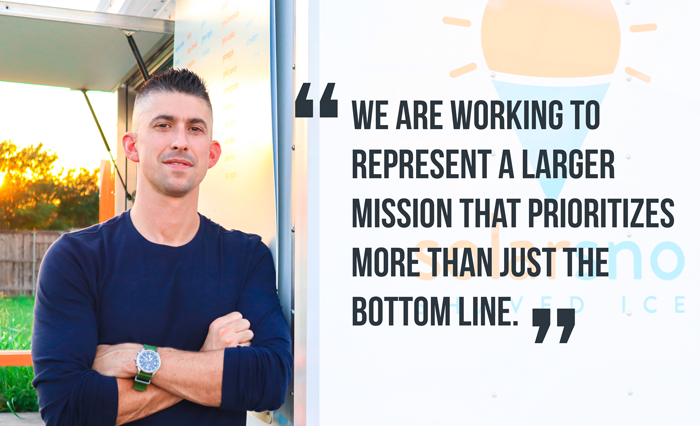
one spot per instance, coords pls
(16, 391)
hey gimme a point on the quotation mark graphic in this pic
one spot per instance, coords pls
(565, 318)
(304, 108)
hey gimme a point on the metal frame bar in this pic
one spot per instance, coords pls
(282, 80)
(104, 139)
(162, 8)
(134, 78)
(135, 23)
(125, 107)
(137, 55)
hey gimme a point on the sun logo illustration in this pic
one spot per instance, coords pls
(547, 50)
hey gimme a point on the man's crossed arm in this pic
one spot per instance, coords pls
(195, 376)
(82, 383)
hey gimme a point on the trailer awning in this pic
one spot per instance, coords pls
(74, 48)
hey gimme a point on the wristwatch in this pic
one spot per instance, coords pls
(147, 363)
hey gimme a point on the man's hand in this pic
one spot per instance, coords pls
(228, 331)
(225, 332)
(117, 360)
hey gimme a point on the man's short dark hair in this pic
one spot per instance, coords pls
(176, 80)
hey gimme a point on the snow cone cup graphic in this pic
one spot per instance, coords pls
(551, 50)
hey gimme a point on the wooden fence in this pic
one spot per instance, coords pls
(21, 253)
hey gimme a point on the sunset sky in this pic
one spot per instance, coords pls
(59, 117)
(61, 120)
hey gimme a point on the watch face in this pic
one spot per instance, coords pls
(148, 361)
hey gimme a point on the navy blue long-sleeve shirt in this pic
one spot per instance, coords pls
(107, 284)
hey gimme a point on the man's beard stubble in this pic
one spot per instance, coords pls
(163, 184)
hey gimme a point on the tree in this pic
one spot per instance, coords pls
(80, 198)
(32, 196)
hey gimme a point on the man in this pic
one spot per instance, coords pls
(162, 287)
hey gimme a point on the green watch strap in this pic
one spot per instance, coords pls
(142, 380)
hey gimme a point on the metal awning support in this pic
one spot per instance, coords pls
(128, 196)
(77, 49)
(137, 55)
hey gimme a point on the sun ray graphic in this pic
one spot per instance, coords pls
(631, 71)
(551, 50)
(460, 23)
(463, 70)
(457, 21)
(642, 28)
(637, 74)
